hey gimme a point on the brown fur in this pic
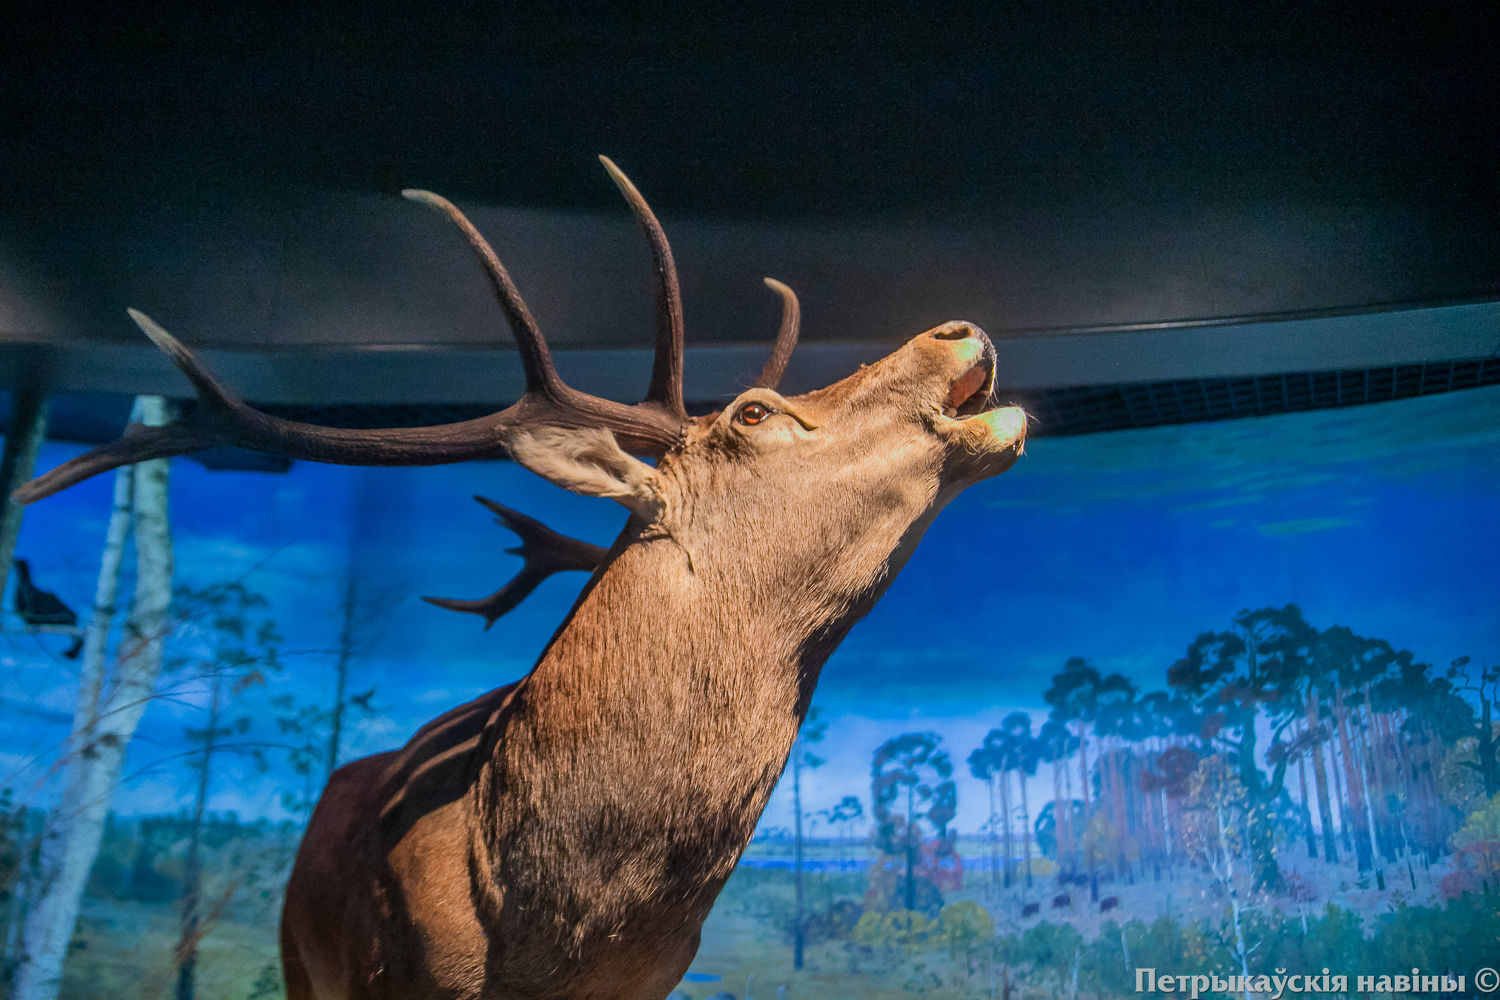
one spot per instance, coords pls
(565, 836)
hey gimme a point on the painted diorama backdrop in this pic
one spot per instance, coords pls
(1213, 697)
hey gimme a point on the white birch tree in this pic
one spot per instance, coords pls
(1217, 838)
(103, 723)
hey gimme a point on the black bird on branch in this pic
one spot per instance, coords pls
(42, 607)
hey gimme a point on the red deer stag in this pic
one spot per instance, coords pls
(565, 836)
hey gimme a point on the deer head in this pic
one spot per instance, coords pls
(844, 478)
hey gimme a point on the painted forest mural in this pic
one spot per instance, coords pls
(1213, 700)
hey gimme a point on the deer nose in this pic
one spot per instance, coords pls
(955, 330)
(969, 342)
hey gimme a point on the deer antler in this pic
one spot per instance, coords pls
(652, 427)
(665, 389)
(545, 551)
(786, 337)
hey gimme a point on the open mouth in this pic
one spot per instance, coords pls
(970, 393)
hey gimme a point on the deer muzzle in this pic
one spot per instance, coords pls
(970, 397)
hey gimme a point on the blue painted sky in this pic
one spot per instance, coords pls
(1118, 547)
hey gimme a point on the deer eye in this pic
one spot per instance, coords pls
(753, 413)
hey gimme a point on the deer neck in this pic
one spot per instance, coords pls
(684, 677)
(654, 728)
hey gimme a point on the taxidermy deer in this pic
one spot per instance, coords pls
(565, 836)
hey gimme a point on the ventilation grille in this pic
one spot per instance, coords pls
(1092, 409)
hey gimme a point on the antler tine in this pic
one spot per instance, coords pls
(536, 359)
(666, 369)
(647, 429)
(545, 551)
(786, 337)
(499, 604)
(137, 444)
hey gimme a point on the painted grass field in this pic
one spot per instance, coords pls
(125, 948)
(125, 951)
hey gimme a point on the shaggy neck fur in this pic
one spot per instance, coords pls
(648, 739)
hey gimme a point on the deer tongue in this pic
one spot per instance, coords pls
(967, 384)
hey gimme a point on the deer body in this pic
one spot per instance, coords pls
(566, 836)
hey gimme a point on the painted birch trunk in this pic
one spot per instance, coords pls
(103, 727)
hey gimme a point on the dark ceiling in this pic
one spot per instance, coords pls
(900, 113)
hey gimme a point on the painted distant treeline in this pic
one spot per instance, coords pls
(1310, 739)
(1334, 740)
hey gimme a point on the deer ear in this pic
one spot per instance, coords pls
(588, 461)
